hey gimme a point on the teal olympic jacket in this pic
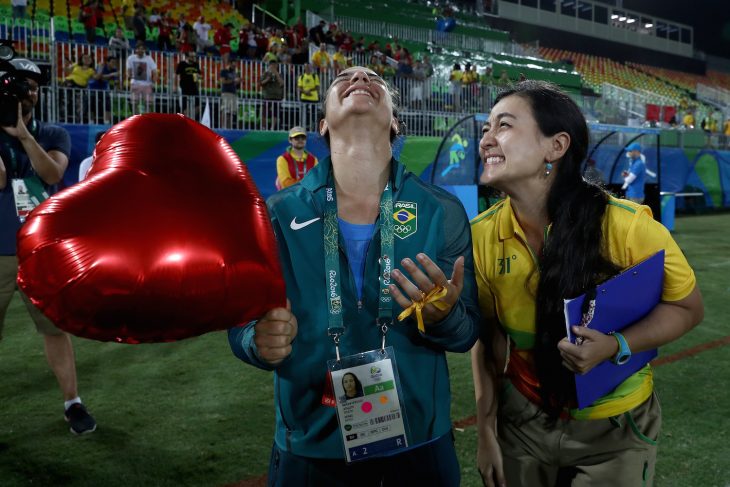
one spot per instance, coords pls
(441, 230)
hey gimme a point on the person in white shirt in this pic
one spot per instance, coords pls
(86, 163)
(202, 28)
(142, 74)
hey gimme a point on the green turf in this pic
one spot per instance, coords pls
(189, 413)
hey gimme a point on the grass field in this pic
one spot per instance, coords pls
(189, 413)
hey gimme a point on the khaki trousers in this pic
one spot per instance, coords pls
(611, 452)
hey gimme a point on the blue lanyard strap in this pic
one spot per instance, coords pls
(335, 323)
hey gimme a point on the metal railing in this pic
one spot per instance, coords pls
(85, 106)
(427, 105)
(433, 94)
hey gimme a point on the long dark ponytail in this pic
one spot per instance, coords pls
(574, 256)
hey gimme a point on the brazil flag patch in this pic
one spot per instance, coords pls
(406, 218)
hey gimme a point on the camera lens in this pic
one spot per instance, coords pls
(6, 53)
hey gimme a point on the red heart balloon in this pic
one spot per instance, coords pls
(165, 239)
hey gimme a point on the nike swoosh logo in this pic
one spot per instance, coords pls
(298, 226)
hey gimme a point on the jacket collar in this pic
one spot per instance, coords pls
(316, 179)
(507, 220)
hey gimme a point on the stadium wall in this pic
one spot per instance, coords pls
(700, 169)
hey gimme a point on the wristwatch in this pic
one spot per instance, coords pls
(624, 352)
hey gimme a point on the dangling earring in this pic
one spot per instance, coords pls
(548, 168)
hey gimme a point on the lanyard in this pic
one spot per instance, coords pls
(303, 163)
(335, 324)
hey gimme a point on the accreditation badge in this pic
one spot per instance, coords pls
(24, 203)
(369, 408)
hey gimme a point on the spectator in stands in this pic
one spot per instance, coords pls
(230, 82)
(164, 35)
(262, 42)
(33, 151)
(128, 13)
(308, 85)
(566, 237)
(635, 176)
(275, 38)
(299, 33)
(187, 74)
(87, 16)
(247, 42)
(139, 25)
(19, 7)
(340, 60)
(487, 79)
(688, 121)
(295, 162)
(142, 73)
(455, 81)
(272, 54)
(301, 54)
(374, 48)
(181, 22)
(419, 78)
(716, 117)
(85, 165)
(403, 75)
(316, 33)
(104, 81)
(78, 75)
(308, 90)
(321, 59)
(154, 18)
(376, 64)
(100, 10)
(272, 91)
(202, 30)
(504, 80)
(359, 46)
(119, 45)
(283, 54)
(222, 40)
(428, 67)
(486, 84)
(186, 39)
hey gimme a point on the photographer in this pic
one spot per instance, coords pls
(33, 158)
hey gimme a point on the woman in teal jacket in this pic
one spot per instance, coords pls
(334, 230)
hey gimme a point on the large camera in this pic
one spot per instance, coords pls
(14, 86)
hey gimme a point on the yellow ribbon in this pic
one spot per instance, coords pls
(433, 297)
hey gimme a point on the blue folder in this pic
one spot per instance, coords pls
(619, 302)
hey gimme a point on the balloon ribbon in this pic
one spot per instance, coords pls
(434, 297)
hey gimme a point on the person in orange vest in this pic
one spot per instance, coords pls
(295, 162)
